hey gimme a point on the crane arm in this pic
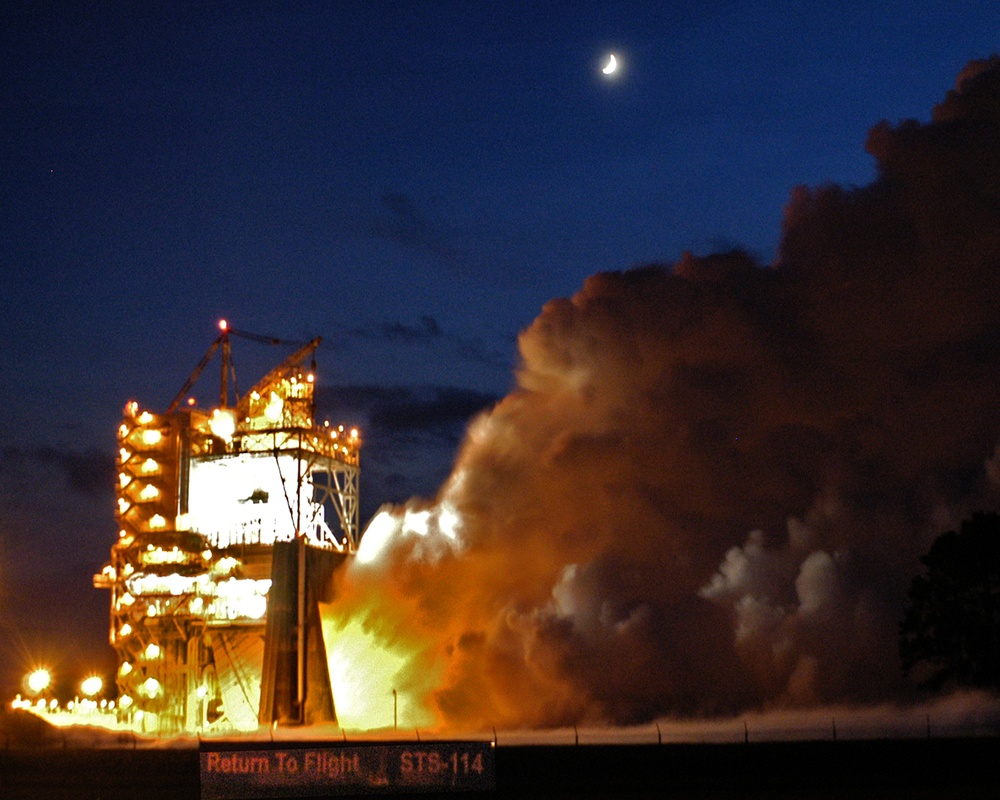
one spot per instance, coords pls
(194, 375)
(295, 358)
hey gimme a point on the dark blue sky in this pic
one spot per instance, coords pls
(412, 181)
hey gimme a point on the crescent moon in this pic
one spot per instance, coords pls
(611, 66)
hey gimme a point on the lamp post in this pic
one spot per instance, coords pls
(91, 686)
(395, 717)
(36, 683)
(38, 680)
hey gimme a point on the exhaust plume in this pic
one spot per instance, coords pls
(710, 488)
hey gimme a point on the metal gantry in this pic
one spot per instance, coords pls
(203, 498)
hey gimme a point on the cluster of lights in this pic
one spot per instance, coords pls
(160, 555)
(242, 598)
(336, 433)
(41, 704)
(142, 440)
(84, 705)
(39, 680)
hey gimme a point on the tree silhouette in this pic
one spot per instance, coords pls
(951, 632)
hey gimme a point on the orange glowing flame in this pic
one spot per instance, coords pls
(365, 672)
(385, 659)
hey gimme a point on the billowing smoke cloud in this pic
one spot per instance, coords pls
(711, 486)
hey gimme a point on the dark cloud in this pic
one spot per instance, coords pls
(56, 518)
(90, 473)
(391, 410)
(407, 226)
(437, 408)
(428, 331)
(410, 434)
(711, 486)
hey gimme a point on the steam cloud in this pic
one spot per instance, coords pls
(711, 486)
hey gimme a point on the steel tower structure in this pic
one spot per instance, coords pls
(231, 521)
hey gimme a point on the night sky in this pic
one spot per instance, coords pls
(415, 182)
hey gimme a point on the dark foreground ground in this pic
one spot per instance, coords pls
(966, 768)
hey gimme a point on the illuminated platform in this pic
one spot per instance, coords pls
(205, 498)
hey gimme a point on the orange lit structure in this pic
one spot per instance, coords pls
(206, 499)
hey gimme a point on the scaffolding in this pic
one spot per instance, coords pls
(205, 500)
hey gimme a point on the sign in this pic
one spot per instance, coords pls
(233, 770)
